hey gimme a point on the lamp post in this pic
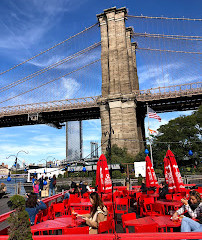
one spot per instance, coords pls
(16, 161)
(43, 160)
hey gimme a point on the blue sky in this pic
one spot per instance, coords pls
(29, 27)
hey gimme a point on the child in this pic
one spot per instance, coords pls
(36, 188)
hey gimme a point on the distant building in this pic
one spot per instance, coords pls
(3, 169)
(15, 167)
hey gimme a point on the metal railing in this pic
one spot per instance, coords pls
(169, 92)
(60, 105)
(17, 188)
(89, 102)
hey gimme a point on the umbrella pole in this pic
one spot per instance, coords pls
(149, 136)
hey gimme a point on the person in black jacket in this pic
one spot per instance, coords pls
(163, 190)
(83, 187)
(40, 185)
(143, 186)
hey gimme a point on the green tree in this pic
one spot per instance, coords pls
(19, 220)
(182, 134)
(119, 155)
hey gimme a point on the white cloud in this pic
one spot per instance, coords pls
(41, 138)
(37, 151)
(155, 75)
(31, 24)
(149, 72)
(91, 137)
(70, 86)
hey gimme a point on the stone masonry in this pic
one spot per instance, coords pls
(119, 81)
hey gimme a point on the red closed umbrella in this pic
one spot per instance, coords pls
(169, 176)
(175, 171)
(151, 180)
(103, 180)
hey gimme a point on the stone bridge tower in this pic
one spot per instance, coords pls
(118, 108)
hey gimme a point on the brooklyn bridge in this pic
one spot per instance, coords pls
(109, 75)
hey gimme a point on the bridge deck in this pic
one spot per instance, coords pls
(165, 99)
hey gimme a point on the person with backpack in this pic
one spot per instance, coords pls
(52, 185)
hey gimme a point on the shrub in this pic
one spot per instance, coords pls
(19, 220)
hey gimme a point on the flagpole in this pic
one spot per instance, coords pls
(149, 137)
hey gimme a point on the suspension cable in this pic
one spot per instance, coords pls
(166, 18)
(86, 29)
(37, 73)
(51, 81)
(164, 50)
(176, 37)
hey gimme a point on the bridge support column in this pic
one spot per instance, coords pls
(126, 125)
(119, 82)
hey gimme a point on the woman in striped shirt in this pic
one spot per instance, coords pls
(191, 208)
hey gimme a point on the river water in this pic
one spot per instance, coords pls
(11, 186)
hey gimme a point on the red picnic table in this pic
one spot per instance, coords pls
(169, 203)
(138, 222)
(162, 221)
(165, 222)
(56, 224)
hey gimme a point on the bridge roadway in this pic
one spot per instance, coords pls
(55, 113)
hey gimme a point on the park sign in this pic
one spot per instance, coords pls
(140, 168)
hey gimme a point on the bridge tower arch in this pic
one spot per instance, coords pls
(118, 108)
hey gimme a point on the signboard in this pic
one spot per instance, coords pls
(140, 168)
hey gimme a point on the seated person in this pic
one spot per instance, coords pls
(98, 213)
(33, 206)
(152, 189)
(88, 187)
(77, 189)
(163, 190)
(143, 186)
(73, 184)
(67, 195)
(189, 225)
(193, 206)
(85, 188)
(82, 187)
(2, 190)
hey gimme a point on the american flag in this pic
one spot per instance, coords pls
(152, 114)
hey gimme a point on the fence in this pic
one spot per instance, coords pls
(189, 179)
(127, 236)
(18, 188)
(22, 188)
